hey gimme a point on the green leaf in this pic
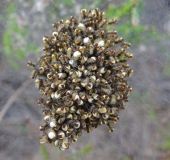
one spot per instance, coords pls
(10, 8)
(44, 152)
(69, 2)
(152, 114)
(82, 152)
(12, 37)
(85, 150)
(121, 10)
(165, 145)
(134, 16)
(20, 54)
(13, 64)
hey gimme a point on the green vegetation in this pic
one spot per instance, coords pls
(130, 27)
(82, 152)
(44, 152)
(18, 41)
(152, 114)
(166, 70)
(15, 38)
(126, 158)
(120, 11)
(68, 2)
(165, 145)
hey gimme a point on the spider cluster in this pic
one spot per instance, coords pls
(82, 76)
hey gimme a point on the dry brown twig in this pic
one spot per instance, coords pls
(13, 98)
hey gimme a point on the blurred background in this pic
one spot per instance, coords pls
(143, 131)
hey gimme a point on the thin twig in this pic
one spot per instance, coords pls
(13, 98)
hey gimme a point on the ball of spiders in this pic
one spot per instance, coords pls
(82, 77)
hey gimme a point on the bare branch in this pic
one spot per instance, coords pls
(13, 98)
